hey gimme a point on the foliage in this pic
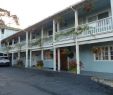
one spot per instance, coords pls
(7, 48)
(19, 46)
(73, 66)
(37, 42)
(6, 13)
(19, 63)
(88, 5)
(96, 50)
(80, 29)
(39, 64)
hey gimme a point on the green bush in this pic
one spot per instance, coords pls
(39, 64)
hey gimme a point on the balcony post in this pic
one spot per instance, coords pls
(30, 51)
(111, 2)
(42, 51)
(30, 59)
(54, 59)
(30, 36)
(12, 59)
(12, 42)
(77, 44)
(54, 48)
(58, 26)
(8, 43)
(54, 30)
(26, 65)
(58, 59)
(19, 50)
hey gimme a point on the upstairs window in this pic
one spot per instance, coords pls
(93, 18)
(50, 32)
(103, 15)
(98, 16)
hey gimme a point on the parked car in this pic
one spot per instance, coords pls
(4, 61)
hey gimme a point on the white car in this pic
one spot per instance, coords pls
(4, 61)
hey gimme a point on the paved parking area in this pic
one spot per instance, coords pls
(14, 81)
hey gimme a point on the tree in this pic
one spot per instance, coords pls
(6, 13)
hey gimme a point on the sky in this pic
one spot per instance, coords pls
(33, 11)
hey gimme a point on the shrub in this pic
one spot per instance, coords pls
(39, 64)
(20, 63)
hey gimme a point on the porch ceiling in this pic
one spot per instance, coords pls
(96, 5)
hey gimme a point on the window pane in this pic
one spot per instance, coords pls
(93, 18)
(111, 57)
(103, 15)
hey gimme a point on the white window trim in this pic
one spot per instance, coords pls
(109, 55)
(107, 10)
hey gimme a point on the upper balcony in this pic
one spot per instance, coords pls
(97, 27)
(98, 20)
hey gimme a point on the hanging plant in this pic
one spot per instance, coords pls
(70, 54)
(88, 6)
(96, 50)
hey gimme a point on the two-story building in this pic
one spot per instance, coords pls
(53, 41)
(6, 32)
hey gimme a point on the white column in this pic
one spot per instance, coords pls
(111, 8)
(8, 43)
(19, 48)
(30, 36)
(58, 26)
(30, 58)
(54, 30)
(42, 51)
(54, 48)
(42, 33)
(58, 59)
(42, 54)
(12, 58)
(77, 44)
(54, 58)
(30, 51)
(26, 65)
(68, 63)
(12, 42)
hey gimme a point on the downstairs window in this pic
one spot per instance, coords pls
(103, 53)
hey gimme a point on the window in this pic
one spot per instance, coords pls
(93, 18)
(103, 15)
(50, 32)
(111, 52)
(104, 53)
(2, 31)
(98, 16)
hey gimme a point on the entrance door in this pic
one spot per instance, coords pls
(63, 57)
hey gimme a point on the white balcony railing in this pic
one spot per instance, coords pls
(100, 26)
(35, 42)
(48, 40)
(18, 46)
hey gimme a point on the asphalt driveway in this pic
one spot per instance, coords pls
(14, 81)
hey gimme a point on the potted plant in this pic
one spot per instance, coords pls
(39, 64)
(19, 63)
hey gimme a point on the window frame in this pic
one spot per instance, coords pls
(109, 53)
(96, 14)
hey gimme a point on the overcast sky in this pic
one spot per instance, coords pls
(32, 11)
